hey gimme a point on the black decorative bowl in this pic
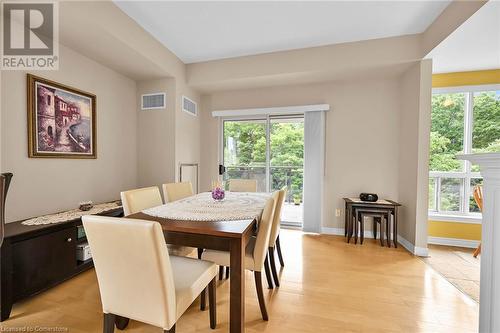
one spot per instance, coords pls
(370, 197)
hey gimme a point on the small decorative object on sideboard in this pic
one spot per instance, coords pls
(86, 205)
(370, 197)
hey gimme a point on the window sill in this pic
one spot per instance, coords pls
(472, 219)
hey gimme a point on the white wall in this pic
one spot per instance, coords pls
(361, 134)
(43, 186)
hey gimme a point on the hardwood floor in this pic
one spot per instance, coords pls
(326, 286)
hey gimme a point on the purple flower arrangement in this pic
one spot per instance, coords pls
(218, 194)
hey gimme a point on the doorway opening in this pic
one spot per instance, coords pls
(270, 150)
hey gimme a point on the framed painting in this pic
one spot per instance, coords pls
(61, 120)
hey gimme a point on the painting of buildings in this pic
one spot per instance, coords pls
(62, 121)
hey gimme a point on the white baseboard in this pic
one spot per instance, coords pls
(472, 244)
(418, 251)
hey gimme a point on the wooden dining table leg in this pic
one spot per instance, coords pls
(237, 286)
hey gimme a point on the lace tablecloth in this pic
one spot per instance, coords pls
(71, 214)
(201, 207)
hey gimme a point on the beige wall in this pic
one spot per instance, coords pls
(414, 128)
(187, 130)
(361, 135)
(156, 135)
(48, 185)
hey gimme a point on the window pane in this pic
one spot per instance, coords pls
(451, 194)
(447, 131)
(473, 208)
(287, 156)
(245, 151)
(432, 194)
(486, 127)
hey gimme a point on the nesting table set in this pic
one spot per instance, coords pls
(382, 211)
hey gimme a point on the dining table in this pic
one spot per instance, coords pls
(204, 223)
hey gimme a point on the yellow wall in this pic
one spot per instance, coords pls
(457, 229)
(466, 78)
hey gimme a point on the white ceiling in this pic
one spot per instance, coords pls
(475, 45)
(208, 30)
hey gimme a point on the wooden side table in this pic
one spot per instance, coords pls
(383, 206)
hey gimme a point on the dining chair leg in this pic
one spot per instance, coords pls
(477, 251)
(260, 295)
(273, 267)
(227, 272)
(278, 248)
(221, 272)
(203, 300)
(268, 274)
(109, 323)
(121, 322)
(171, 330)
(212, 300)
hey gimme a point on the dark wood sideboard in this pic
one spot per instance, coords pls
(36, 258)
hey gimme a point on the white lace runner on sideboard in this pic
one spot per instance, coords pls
(72, 214)
(201, 207)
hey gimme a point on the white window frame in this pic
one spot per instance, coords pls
(464, 215)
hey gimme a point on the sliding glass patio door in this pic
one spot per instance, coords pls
(270, 150)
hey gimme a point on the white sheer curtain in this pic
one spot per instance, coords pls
(314, 170)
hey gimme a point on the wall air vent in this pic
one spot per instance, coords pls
(189, 106)
(153, 101)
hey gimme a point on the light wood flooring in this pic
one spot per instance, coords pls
(458, 266)
(327, 286)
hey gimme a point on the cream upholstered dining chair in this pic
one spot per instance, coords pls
(243, 185)
(274, 239)
(255, 254)
(134, 201)
(138, 279)
(177, 191)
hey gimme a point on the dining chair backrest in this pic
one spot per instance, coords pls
(134, 201)
(177, 191)
(275, 229)
(264, 231)
(243, 185)
(478, 196)
(133, 269)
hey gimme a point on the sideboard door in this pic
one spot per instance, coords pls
(43, 261)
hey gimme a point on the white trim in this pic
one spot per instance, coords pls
(282, 110)
(468, 219)
(472, 244)
(418, 251)
(406, 244)
(465, 89)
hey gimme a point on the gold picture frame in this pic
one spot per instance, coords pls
(61, 120)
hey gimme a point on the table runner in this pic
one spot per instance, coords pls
(72, 214)
(201, 207)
